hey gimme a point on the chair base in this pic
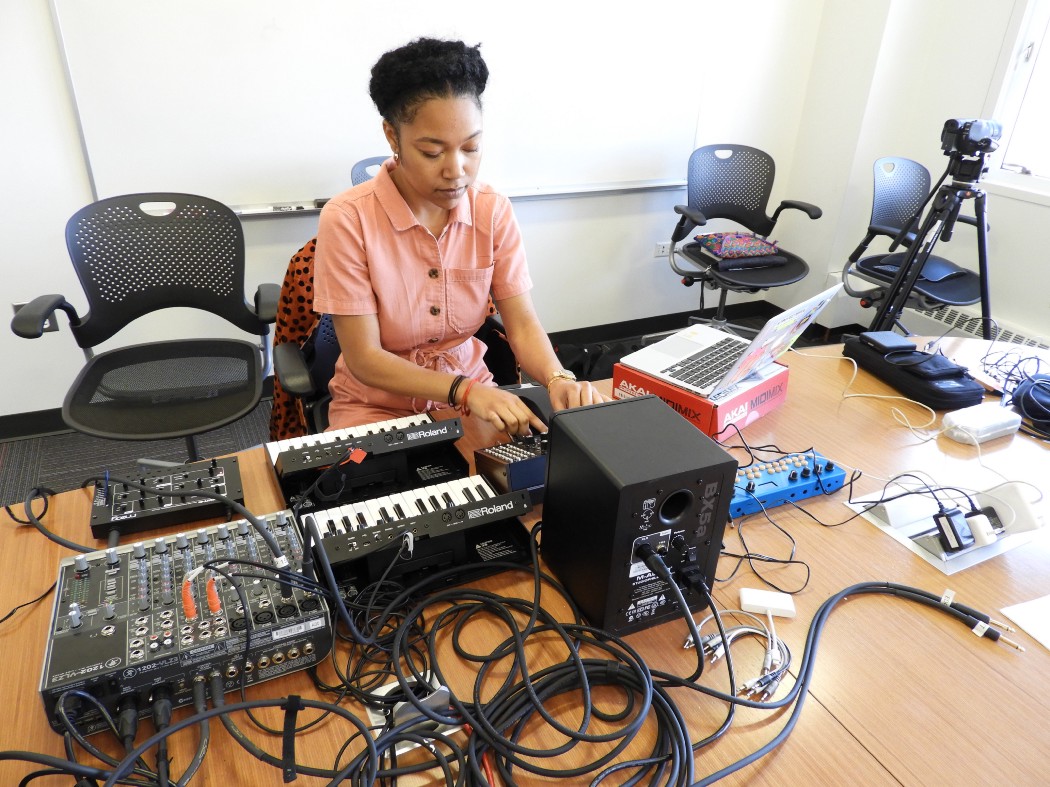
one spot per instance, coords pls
(722, 324)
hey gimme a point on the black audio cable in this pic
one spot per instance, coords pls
(29, 603)
(200, 704)
(656, 564)
(34, 520)
(799, 691)
(119, 730)
(370, 755)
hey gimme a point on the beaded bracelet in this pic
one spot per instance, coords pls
(454, 389)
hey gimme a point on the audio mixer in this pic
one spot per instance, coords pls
(119, 506)
(134, 620)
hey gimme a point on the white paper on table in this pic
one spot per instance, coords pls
(1034, 617)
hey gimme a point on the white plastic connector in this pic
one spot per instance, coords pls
(767, 601)
(905, 510)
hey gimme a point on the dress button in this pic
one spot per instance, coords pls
(435, 310)
(433, 340)
(434, 273)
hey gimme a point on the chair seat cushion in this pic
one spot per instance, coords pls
(941, 280)
(165, 389)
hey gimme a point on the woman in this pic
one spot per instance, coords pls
(406, 262)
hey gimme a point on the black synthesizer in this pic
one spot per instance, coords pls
(398, 454)
(459, 522)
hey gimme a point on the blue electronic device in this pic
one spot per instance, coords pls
(790, 478)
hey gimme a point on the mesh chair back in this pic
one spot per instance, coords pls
(362, 170)
(131, 263)
(901, 187)
(321, 351)
(732, 182)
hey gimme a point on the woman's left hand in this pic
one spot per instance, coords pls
(566, 393)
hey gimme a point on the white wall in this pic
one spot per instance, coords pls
(923, 62)
(826, 87)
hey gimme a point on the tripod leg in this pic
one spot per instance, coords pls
(911, 268)
(980, 210)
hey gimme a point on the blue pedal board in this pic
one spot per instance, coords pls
(792, 477)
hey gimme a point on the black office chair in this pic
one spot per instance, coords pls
(733, 182)
(137, 254)
(902, 188)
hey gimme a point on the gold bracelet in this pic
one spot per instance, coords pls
(561, 374)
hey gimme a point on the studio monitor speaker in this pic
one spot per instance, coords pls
(621, 474)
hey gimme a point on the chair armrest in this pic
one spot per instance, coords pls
(289, 367)
(266, 299)
(29, 321)
(808, 208)
(691, 217)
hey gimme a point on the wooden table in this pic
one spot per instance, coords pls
(900, 695)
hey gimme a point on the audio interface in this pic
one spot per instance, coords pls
(133, 621)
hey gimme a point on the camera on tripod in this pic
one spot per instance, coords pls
(970, 137)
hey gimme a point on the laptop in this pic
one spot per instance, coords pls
(712, 363)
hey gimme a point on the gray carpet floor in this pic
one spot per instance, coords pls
(64, 461)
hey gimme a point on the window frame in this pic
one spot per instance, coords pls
(1029, 27)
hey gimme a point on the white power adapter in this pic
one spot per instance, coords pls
(986, 421)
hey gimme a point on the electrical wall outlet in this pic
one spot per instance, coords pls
(50, 326)
(662, 249)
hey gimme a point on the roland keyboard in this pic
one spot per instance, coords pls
(301, 454)
(402, 453)
(431, 513)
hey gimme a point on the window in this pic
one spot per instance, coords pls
(1023, 107)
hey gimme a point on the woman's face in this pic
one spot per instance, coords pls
(439, 152)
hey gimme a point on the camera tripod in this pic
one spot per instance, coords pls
(939, 224)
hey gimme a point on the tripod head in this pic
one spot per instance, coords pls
(966, 143)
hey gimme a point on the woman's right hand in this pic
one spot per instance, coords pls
(504, 411)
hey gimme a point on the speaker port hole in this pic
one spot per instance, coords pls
(675, 506)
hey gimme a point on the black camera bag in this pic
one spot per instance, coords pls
(929, 378)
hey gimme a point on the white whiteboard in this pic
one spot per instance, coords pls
(264, 101)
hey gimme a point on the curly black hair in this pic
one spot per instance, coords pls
(426, 68)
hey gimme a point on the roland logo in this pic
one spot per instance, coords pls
(474, 513)
(427, 433)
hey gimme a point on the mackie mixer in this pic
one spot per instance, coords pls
(133, 621)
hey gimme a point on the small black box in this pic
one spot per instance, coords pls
(624, 473)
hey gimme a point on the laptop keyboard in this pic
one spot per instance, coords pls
(709, 365)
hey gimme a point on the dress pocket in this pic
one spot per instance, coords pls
(467, 297)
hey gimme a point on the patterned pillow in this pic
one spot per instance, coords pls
(731, 245)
